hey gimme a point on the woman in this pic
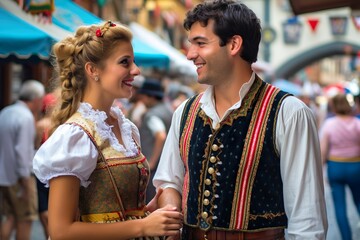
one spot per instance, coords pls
(92, 161)
(340, 148)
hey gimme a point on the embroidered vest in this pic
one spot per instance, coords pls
(232, 179)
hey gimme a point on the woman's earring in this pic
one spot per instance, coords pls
(96, 78)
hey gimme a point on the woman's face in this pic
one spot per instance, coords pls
(118, 73)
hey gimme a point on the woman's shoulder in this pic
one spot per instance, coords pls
(68, 151)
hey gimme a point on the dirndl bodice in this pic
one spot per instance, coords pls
(114, 173)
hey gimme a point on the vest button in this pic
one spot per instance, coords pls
(207, 181)
(211, 170)
(204, 215)
(213, 159)
(207, 193)
(215, 147)
(206, 201)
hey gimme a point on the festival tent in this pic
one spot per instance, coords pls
(70, 16)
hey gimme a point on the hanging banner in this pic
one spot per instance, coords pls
(39, 6)
(356, 21)
(292, 31)
(313, 23)
(42, 8)
(338, 25)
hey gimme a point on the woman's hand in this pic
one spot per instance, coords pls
(166, 221)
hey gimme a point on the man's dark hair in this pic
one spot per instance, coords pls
(230, 18)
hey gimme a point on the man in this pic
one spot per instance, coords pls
(17, 139)
(154, 127)
(242, 160)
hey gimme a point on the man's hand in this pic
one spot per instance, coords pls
(153, 204)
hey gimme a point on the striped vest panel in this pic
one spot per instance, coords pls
(232, 179)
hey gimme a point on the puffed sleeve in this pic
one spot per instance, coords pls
(68, 151)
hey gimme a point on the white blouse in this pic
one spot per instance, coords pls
(69, 150)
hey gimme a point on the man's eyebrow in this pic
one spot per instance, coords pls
(197, 38)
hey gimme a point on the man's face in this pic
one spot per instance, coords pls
(210, 59)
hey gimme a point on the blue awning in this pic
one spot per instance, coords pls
(21, 39)
(70, 16)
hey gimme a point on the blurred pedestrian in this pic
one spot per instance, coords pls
(137, 107)
(241, 160)
(340, 148)
(154, 127)
(43, 126)
(178, 93)
(17, 183)
(92, 160)
(357, 105)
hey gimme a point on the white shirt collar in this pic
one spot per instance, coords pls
(208, 102)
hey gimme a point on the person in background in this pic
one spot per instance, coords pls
(242, 159)
(357, 105)
(154, 127)
(137, 107)
(17, 183)
(178, 93)
(92, 161)
(340, 148)
(43, 126)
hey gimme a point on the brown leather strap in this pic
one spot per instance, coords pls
(271, 234)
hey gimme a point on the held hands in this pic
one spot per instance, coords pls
(166, 221)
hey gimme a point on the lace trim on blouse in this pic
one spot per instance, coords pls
(105, 132)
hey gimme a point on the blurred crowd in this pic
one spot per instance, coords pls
(151, 107)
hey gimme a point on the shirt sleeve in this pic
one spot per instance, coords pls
(155, 124)
(171, 173)
(68, 151)
(301, 170)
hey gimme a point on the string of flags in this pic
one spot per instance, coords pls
(293, 27)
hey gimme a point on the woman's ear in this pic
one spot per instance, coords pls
(91, 70)
(235, 44)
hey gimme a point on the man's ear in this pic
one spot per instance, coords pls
(91, 70)
(235, 44)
